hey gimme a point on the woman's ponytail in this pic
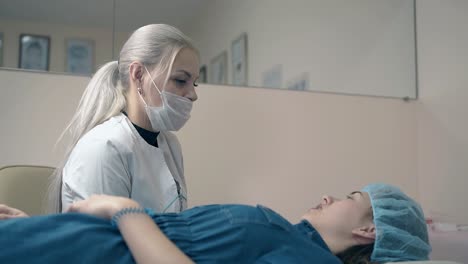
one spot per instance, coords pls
(102, 99)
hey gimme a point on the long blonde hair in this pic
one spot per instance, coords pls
(156, 47)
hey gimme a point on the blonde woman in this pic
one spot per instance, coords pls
(121, 140)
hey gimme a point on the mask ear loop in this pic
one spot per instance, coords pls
(152, 80)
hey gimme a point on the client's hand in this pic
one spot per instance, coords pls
(104, 206)
(7, 212)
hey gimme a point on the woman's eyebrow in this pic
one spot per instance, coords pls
(185, 72)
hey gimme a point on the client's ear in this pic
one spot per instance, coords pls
(364, 235)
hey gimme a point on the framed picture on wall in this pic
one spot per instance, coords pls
(34, 52)
(218, 69)
(239, 60)
(1, 49)
(79, 56)
(203, 76)
(300, 83)
(273, 77)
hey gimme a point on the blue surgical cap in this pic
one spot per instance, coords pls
(401, 231)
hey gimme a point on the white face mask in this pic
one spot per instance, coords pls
(172, 115)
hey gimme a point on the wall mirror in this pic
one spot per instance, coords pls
(364, 47)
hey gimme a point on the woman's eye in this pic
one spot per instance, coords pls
(349, 197)
(181, 81)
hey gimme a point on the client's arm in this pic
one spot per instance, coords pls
(7, 212)
(146, 241)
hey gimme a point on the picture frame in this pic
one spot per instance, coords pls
(34, 52)
(273, 77)
(218, 69)
(79, 56)
(203, 77)
(300, 83)
(1, 49)
(239, 60)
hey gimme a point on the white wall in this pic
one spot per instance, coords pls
(34, 110)
(280, 148)
(12, 30)
(359, 46)
(285, 148)
(442, 108)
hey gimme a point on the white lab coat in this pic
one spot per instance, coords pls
(114, 159)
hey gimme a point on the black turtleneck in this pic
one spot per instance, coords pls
(149, 136)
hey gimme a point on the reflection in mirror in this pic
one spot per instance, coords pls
(355, 47)
(362, 47)
(58, 36)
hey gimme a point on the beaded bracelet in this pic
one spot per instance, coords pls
(131, 210)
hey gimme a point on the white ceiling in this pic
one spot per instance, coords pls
(130, 14)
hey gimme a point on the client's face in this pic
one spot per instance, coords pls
(341, 217)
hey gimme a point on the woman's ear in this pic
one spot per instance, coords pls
(136, 72)
(364, 235)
